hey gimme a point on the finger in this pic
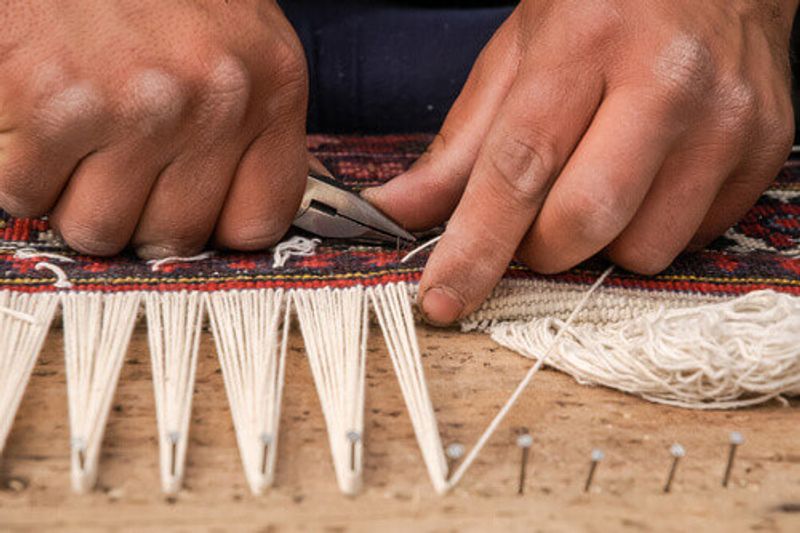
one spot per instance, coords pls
(426, 194)
(38, 157)
(99, 208)
(268, 186)
(533, 135)
(604, 183)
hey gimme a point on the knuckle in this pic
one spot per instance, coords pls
(91, 239)
(23, 197)
(738, 102)
(152, 99)
(523, 166)
(593, 215)
(684, 69)
(68, 110)
(226, 90)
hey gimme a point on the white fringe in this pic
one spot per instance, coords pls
(252, 355)
(24, 322)
(716, 356)
(97, 331)
(334, 323)
(393, 309)
(174, 323)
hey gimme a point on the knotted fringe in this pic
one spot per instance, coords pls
(24, 322)
(174, 322)
(97, 330)
(251, 330)
(334, 323)
(715, 356)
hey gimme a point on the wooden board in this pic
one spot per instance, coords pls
(469, 378)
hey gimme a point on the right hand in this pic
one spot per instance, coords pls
(162, 124)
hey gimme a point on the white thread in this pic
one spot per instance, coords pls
(297, 246)
(61, 277)
(421, 247)
(723, 355)
(393, 309)
(334, 324)
(252, 354)
(484, 438)
(174, 323)
(156, 264)
(30, 253)
(21, 341)
(97, 331)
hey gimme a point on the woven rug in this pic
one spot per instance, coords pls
(718, 328)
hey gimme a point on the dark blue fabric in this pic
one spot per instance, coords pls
(383, 67)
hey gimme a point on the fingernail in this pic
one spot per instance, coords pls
(441, 306)
(152, 251)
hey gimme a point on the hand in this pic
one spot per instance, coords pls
(160, 123)
(634, 127)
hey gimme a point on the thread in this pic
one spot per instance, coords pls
(174, 323)
(22, 340)
(30, 253)
(61, 277)
(393, 310)
(97, 331)
(421, 247)
(297, 246)
(715, 356)
(251, 346)
(334, 324)
(156, 264)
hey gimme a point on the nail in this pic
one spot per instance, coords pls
(454, 452)
(153, 251)
(677, 451)
(441, 306)
(524, 442)
(736, 439)
(597, 456)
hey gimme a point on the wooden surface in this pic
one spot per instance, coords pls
(469, 378)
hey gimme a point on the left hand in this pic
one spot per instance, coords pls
(637, 128)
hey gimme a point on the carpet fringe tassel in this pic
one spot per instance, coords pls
(97, 331)
(723, 355)
(334, 324)
(251, 330)
(174, 324)
(24, 322)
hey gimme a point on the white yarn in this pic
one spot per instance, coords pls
(421, 247)
(297, 246)
(156, 264)
(97, 331)
(393, 309)
(334, 323)
(722, 355)
(252, 354)
(174, 323)
(20, 344)
(31, 253)
(61, 277)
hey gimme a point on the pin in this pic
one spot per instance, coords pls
(354, 437)
(736, 439)
(524, 441)
(677, 451)
(454, 452)
(597, 456)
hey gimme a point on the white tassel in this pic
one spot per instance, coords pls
(393, 309)
(334, 323)
(251, 346)
(97, 331)
(724, 355)
(24, 322)
(174, 323)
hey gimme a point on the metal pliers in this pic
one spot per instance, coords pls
(329, 209)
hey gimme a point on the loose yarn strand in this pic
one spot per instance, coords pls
(484, 438)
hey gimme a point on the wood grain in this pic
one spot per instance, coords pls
(469, 378)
